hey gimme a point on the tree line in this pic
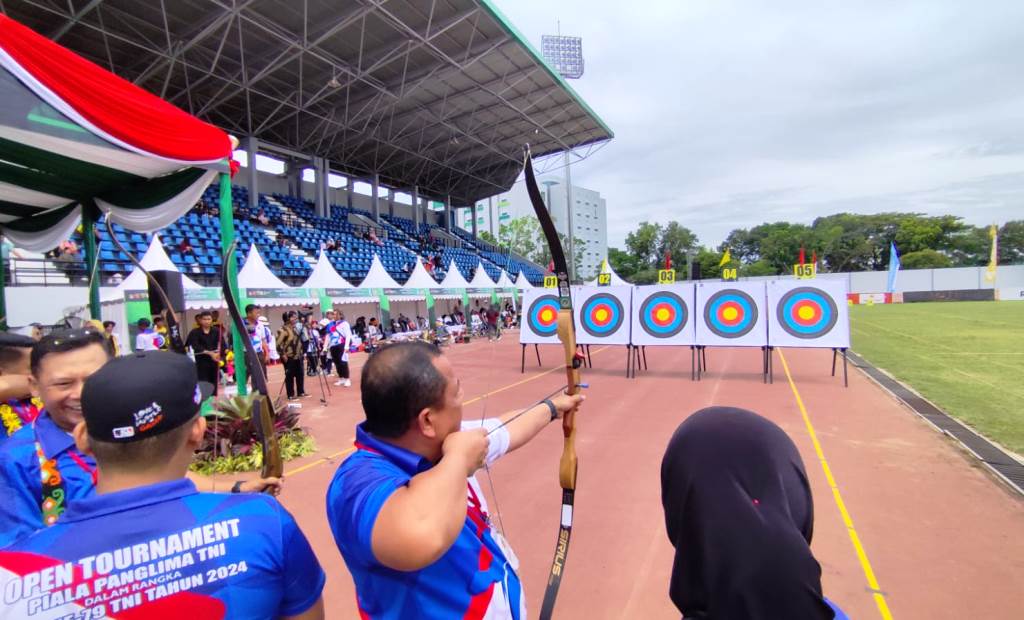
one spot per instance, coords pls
(840, 242)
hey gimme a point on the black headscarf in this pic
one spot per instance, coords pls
(739, 512)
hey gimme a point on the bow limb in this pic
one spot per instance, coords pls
(567, 466)
(263, 412)
(176, 344)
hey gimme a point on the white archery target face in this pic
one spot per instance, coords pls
(539, 324)
(663, 315)
(731, 314)
(602, 314)
(808, 313)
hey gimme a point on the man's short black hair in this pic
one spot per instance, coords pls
(109, 324)
(397, 383)
(63, 341)
(204, 313)
(250, 307)
(149, 452)
(158, 319)
(143, 323)
(12, 347)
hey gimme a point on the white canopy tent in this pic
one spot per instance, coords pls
(480, 278)
(419, 278)
(256, 276)
(378, 277)
(155, 259)
(454, 278)
(324, 275)
(607, 268)
(504, 281)
(521, 282)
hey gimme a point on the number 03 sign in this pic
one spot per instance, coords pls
(806, 271)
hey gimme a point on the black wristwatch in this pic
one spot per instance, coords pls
(551, 406)
(238, 486)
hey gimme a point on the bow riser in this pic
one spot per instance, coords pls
(263, 412)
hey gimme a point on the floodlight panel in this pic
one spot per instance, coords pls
(565, 54)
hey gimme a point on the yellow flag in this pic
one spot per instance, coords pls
(725, 258)
(993, 259)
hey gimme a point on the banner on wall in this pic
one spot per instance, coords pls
(731, 314)
(663, 315)
(810, 313)
(602, 314)
(540, 317)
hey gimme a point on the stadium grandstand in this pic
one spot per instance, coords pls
(428, 105)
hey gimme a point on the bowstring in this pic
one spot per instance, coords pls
(487, 466)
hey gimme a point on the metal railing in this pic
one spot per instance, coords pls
(45, 272)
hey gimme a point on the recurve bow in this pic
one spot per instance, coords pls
(567, 335)
(263, 412)
(175, 342)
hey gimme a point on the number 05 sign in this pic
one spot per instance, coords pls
(806, 271)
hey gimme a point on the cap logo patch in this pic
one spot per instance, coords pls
(149, 417)
(123, 432)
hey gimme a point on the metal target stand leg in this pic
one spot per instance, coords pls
(643, 349)
(835, 352)
(522, 362)
(536, 350)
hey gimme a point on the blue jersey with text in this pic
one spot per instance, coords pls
(163, 551)
(21, 474)
(473, 579)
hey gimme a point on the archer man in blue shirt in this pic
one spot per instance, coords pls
(147, 544)
(405, 511)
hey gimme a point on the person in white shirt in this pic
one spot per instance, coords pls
(337, 338)
(147, 339)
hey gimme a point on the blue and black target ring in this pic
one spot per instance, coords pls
(601, 315)
(730, 313)
(807, 312)
(542, 316)
(663, 314)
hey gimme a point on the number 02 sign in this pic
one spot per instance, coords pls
(806, 271)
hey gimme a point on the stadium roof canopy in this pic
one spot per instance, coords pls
(441, 94)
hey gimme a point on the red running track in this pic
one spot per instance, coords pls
(941, 537)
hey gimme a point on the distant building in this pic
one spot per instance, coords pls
(590, 216)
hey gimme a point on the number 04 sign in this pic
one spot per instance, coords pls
(806, 271)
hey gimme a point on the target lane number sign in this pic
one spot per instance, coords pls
(807, 271)
(604, 279)
(550, 282)
(666, 276)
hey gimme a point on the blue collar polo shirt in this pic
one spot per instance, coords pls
(473, 579)
(163, 551)
(41, 474)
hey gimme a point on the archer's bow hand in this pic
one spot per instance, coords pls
(564, 403)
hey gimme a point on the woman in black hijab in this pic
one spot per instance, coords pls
(739, 513)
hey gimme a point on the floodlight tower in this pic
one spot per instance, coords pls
(565, 55)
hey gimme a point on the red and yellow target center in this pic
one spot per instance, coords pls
(729, 313)
(546, 315)
(601, 315)
(806, 313)
(662, 314)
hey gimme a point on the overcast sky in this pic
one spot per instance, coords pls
(730, 113)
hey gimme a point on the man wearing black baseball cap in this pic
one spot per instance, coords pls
(237, 556)
(41, 470)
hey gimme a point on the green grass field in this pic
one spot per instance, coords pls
(966, 357)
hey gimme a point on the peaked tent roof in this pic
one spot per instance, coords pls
(72, 133)
(607, 268)
(419, 278)
(324, 275)
(454, 278)
(155, 259)
(480, 277)
(522, 282)
(378, 277)
(256, 274)
(504, 281)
